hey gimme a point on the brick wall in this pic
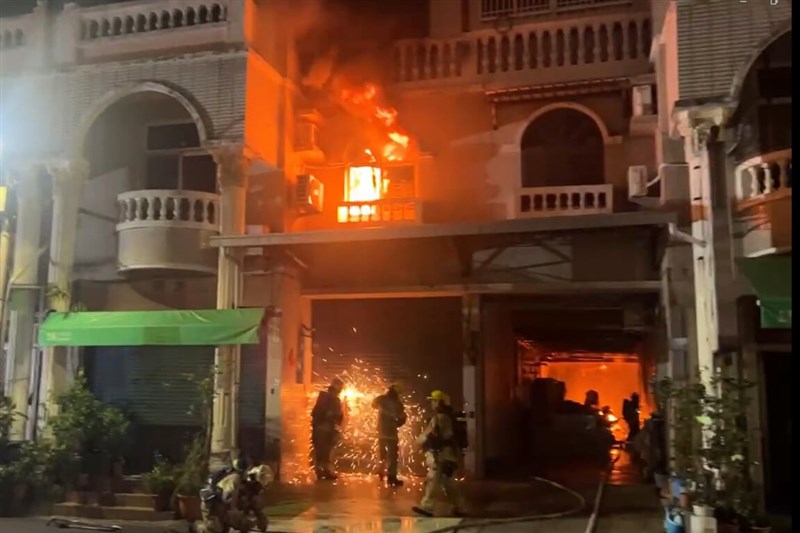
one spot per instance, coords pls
(716, 39)
(54, 103)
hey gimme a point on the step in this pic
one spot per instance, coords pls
(102, 512)
(133, 499)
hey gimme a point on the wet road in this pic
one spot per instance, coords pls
(362, 505)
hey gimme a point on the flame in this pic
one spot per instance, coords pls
(367, 102)
(357, 455)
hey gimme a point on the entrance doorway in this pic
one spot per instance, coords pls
(777, 383)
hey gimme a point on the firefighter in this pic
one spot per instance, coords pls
(220, 501)
(439, 443)
(391, 416)
(326, 420)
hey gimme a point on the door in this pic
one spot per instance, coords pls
(777, 396)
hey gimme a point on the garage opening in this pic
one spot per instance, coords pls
(370, 344)
(571, 370)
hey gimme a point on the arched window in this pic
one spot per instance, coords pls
(562, 147)
(764, 116)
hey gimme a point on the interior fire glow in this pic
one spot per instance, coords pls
(366, 182)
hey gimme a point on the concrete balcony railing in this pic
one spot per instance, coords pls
(764, 203)
(535, 53)
(532, 202)
(167, 230)
(381, 212)
(117, 30)
(124, 28)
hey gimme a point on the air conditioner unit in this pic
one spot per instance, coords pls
(642, 100)
(309, 195)
(305, 137)
(637, 181)
(674, 178)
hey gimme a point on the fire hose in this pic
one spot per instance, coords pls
(480, 524)
(65, 523)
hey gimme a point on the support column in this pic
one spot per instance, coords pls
(232, 183)
(286, 426)
(697, 156)
(58, 363)
(24, 283)
(473, 384)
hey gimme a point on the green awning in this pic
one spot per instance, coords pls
(212, 327)
(771, 278)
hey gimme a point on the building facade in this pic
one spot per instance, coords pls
(724, 116)
(544, 164)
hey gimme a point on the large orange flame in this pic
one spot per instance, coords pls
(367, 102)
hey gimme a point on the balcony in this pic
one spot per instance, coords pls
(533, 53)
(764, 203)
(381, 212)
(121, 29)
(535, 202)
(117, 30)
(165, 230)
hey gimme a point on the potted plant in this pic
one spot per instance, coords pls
(192, 478)
(161, 483)
(91, 431)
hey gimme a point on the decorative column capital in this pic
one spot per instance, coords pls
(68, 174)
(231, 163)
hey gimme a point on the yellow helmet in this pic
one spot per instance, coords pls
(440, 396)
(397, 387)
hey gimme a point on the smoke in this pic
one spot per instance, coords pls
(346, 43)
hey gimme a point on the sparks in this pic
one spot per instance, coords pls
(356, 455)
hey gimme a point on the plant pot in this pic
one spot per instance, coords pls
(82, 481)
(728, 528)
(117, 469)
(18, 495)
(161, 502)
(189, 507)
(700, 509)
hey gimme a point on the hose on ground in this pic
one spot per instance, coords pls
(480, 524)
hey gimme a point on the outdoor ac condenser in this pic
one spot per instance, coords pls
(637, 182)
(309, 195)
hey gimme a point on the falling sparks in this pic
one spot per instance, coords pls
(357, 455)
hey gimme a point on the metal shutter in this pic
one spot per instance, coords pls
(252, 386)
(157, 384)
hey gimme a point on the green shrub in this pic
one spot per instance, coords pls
(162, 479)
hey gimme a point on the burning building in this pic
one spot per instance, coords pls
(516, 172)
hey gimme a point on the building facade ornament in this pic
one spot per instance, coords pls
(231, 164)
(69, 175)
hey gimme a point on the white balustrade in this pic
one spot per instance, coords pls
(14, 32)
(763, 176)
(603, 40)
(168, 208)
(532, 202)
(124, 19)
(387, 211)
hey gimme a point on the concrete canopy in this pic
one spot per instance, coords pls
(440, 260)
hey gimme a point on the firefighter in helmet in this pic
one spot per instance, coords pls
(326, 420)
(391, 416)
(220, 500)
(441, 448)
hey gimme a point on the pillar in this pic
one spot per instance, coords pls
(232, 183)
(697, 156)
(58, 363)
(25, 277)
(473, 375)
(286, 405)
